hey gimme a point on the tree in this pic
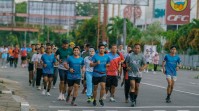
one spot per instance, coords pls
(115, 30)
(87, 32)
(152, 35)
(21, 8)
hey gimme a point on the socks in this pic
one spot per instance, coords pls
(135, 97)
(74, 99)
(168, 95)
(132, 96)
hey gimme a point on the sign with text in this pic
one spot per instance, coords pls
(178, 12)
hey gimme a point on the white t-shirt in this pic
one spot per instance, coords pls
(37, 58)
(87, 61)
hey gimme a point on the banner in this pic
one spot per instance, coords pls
(178, 12)
(149, 52)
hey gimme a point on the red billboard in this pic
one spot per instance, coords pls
(178, 12)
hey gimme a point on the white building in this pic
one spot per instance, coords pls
(51, 12)
(7, 8)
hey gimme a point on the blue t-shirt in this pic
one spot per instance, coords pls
(49, 60)
(171, 64)
(75, 64)
(29, 49)
(100, 69)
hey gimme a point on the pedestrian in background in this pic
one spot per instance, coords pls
(156, 59)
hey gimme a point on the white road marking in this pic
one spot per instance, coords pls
(63, 110)
(135, 110)
(88, 110)
(182, 110)
(108, 107)
(173, 89)
(159, 110)
(111, 110)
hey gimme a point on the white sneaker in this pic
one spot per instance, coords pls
(48, 94)
(54, 87)
(104, 97)
(5, 66)
(39, 88)
(154, 72)
(44, 92)
(112, 99)
(63, 97)
(60, 96)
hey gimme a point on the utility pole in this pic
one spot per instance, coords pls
(197, 10)
(98, 29)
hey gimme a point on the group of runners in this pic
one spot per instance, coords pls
(97, 68)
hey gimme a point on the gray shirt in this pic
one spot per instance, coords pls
(135, 61)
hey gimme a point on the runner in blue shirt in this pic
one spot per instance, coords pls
(99, 61)
(170, 65)
(48, 61)
(74, 64)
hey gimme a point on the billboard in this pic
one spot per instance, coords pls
(178, 12)
(53, 13)
(149, 51)
(159, 8)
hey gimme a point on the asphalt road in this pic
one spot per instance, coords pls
(151, 96)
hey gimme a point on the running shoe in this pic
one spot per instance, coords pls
(94, 103)
(101, 102)
(168, 100)
(60, 96)
(112, 99)
(133, 104)
(39, 88)
(89, 100)
(63, 97)
(48, 94)
(44, 92)
(73, 103)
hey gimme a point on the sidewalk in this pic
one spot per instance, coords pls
(7, 103)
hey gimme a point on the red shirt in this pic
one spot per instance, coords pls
(115, 61)
(16, 53)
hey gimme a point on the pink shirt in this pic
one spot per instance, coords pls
(156, 59)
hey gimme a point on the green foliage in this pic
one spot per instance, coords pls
(115, 31)
(86, 9)
(86, 32)
(186, 38)
(21, 8)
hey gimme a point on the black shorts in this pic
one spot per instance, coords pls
(147, 62)
(23, 58)
(30, 67)
(72, 82)
(97, 80)
(48, 75)
(63, 75)
(137, 79)
(111, 81)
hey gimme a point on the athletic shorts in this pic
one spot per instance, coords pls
(30, 67)
(137, 79)
(23, 58)
(147, 62)
(97, 80)
(111, 81)
(174, 78)
(63, 75)
(48, 75)
(72, 82)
